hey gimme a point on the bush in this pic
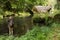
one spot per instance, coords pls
(57, 18)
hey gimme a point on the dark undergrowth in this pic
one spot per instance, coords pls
(38, 33)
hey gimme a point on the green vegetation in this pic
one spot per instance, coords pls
(41, 26)
(38, 33)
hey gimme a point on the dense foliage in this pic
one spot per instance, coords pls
(46, 26)
(38, 33)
